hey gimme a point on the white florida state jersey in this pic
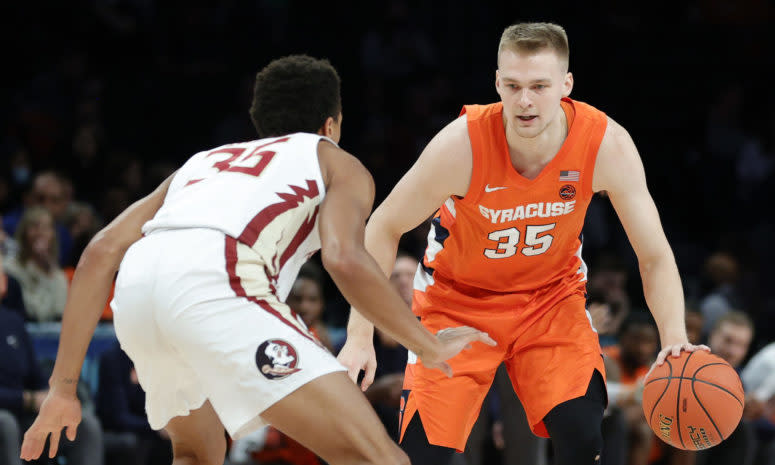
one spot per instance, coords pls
(264, 193)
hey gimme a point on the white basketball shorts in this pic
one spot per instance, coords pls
(193, 310)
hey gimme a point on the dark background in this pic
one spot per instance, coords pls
(114, 95)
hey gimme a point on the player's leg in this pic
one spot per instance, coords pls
(558, 374)
(575, 426)
(197, 438)
(330, 416)
(417, 446)
(437, 412)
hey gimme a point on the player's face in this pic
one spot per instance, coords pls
(730, 342)
(531, 86)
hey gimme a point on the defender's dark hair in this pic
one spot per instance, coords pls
(296, 93)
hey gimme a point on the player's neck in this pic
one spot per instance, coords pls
(538, 151)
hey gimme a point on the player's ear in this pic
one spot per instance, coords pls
(328, 127)
(497, 82)
(567, 85)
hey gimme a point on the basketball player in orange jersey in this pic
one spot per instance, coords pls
(207, 260)
(510, 183)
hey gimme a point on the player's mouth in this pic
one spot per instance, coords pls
(527, 118)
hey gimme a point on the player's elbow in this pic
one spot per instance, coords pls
(103, 248)
(340, 259)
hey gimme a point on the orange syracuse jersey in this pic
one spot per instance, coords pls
(510, 233)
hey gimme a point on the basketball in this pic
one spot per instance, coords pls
(694, 401)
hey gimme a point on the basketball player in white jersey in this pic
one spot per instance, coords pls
(206, 263)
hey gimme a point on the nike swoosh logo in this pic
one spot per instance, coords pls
(487, 188)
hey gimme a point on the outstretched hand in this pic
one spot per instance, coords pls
(356, 355)
(57, 412)
(453, 341)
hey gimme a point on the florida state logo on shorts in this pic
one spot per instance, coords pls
(276, 359)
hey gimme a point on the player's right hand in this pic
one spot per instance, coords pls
(451, 342)
(356, 355)
(57, 411)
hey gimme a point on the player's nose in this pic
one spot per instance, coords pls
(524, 99)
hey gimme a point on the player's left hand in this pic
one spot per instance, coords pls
(58, 411)
(674, 350)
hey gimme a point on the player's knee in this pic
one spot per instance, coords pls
(210, 452)
(582, 448)
(395, 457)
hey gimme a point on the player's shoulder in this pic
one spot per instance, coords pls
(616, 137)
(336, 162)
(453, 139)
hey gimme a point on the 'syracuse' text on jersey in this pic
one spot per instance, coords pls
(510, 233)
(264, 195)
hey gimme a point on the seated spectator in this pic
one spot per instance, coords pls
(759, 381)
(609, 281)
(22, 390)
(10, 292)
(694, 325)
(385, 393)
(49, 192)
(306, 299)
(723, 271)
(629, 363)
(8, 246)
(43, 283)
(129, 439)
(602, 317)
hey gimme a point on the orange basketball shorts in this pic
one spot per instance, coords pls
(545, 338)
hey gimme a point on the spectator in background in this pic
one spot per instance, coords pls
(10, 292)
(759, 381)
(306, 299)
(609, 279)
(730, 339)
(385, 393)
(47, 191)
(22, 390)
(129, 439)
(8, 246)
(43, 283)
(694, 325)
(723, 272)
(602, 317)
(629, 362)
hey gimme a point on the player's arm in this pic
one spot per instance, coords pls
(343, 213)
(85, 301)
(442, 170)
(619, 171)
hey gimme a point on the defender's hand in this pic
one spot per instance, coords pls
(451, 342)
(57, 411)
(356, 355)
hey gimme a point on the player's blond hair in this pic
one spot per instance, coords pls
(534, 37)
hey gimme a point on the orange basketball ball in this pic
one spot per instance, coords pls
(694, 401)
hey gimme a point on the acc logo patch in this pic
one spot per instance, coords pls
(276, 359)
(567, 192)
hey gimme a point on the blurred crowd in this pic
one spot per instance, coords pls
(107, 98)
